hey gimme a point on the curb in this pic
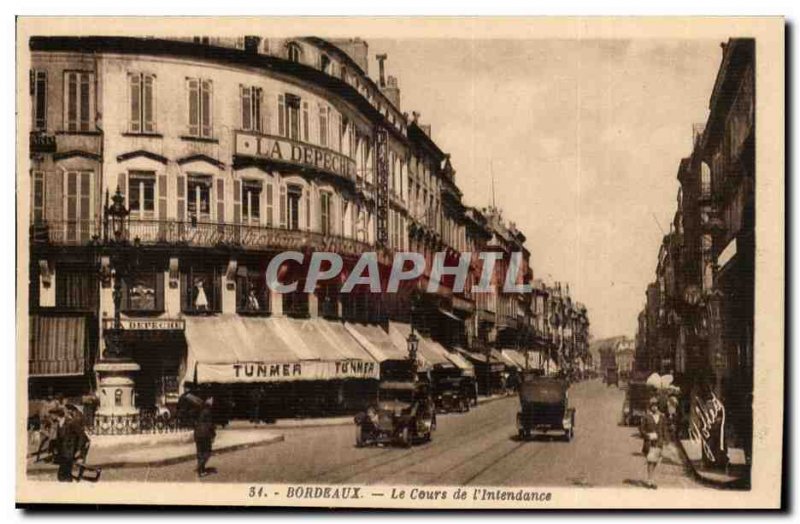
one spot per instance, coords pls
(737, 484)
(179, 459)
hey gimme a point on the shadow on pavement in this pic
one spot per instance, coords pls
(636, 483)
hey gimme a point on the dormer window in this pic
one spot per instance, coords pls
(293, 52)
(324, 63)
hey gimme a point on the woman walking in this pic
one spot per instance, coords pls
(654, 432)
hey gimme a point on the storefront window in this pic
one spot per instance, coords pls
(144, 292)
(252, 293)
(296, 304)
(200, 290)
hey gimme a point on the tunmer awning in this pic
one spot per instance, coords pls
(231, 348)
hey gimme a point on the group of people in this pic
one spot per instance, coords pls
(63, 438)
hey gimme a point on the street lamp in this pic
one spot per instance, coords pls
(413, 346)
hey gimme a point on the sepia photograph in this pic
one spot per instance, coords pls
(484, 263)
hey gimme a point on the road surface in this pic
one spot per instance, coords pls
(477, 448)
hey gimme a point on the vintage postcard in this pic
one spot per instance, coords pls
(433, 263)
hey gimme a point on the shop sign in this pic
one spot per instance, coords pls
(707, 426)
(286, 371)
(281, 149)
(147, 324)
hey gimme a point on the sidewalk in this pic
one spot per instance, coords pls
(735, 476)
(289, 423)
(160, 450)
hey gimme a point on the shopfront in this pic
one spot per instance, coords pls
(266, 368)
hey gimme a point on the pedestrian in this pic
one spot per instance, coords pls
(66, 444)
(204, 434)
(654, 433)
(79, 425)
(47, 430)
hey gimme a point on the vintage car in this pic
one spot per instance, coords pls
(636, 403)
(404, 413)
(544, 406)
(612, 376)
(453, 394)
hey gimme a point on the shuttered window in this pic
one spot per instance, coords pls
(79, 97)
(38, 197)
(77, 206)
(141, 93)
(250, 99)
(39, 91)
(200, 107)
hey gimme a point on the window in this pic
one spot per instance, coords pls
(252, 293)
(200, 292)
(269, 206)
(251, 202)
(77, 206)
(326, 213)
(200, 108)
(39, 91)
(141, 194)
(141, 92)
(144, 291)
(251, 108)
(342, 228)
(76, 288)
(324, 62)
(198, 201)
(79, 96)
(294, 194)
(323, 126)
(305, 121)
(289, 117)
(38, 197)
(293, 52)
(201, 40)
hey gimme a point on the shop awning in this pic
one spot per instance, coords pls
(505, 359)
(431, 352)
(450, 315)
(57, 346)
(461, 363)
(517, 358)
(479, 359)
(230, 348)
(376, 341)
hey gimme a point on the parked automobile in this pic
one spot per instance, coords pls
(403, 413)
(452, 394)
(544, 406)
(635, 405)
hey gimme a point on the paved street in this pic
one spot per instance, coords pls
(479, 448)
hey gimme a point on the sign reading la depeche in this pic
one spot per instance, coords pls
(286, 371)
(147, 324)
(281, 149)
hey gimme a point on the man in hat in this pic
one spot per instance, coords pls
(204, 434)
(654, 432)
(66, 444)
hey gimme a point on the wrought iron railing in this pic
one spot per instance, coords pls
(200, 234)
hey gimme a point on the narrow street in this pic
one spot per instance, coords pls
(478, 448)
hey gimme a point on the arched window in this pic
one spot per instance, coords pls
(293, 52)
(705, 180)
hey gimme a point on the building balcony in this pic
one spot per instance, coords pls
(199, 234)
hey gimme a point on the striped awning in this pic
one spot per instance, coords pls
(57, 346)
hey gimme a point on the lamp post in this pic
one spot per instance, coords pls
(117, 413)
(413, 341)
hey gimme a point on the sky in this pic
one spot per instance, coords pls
(583, 138)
